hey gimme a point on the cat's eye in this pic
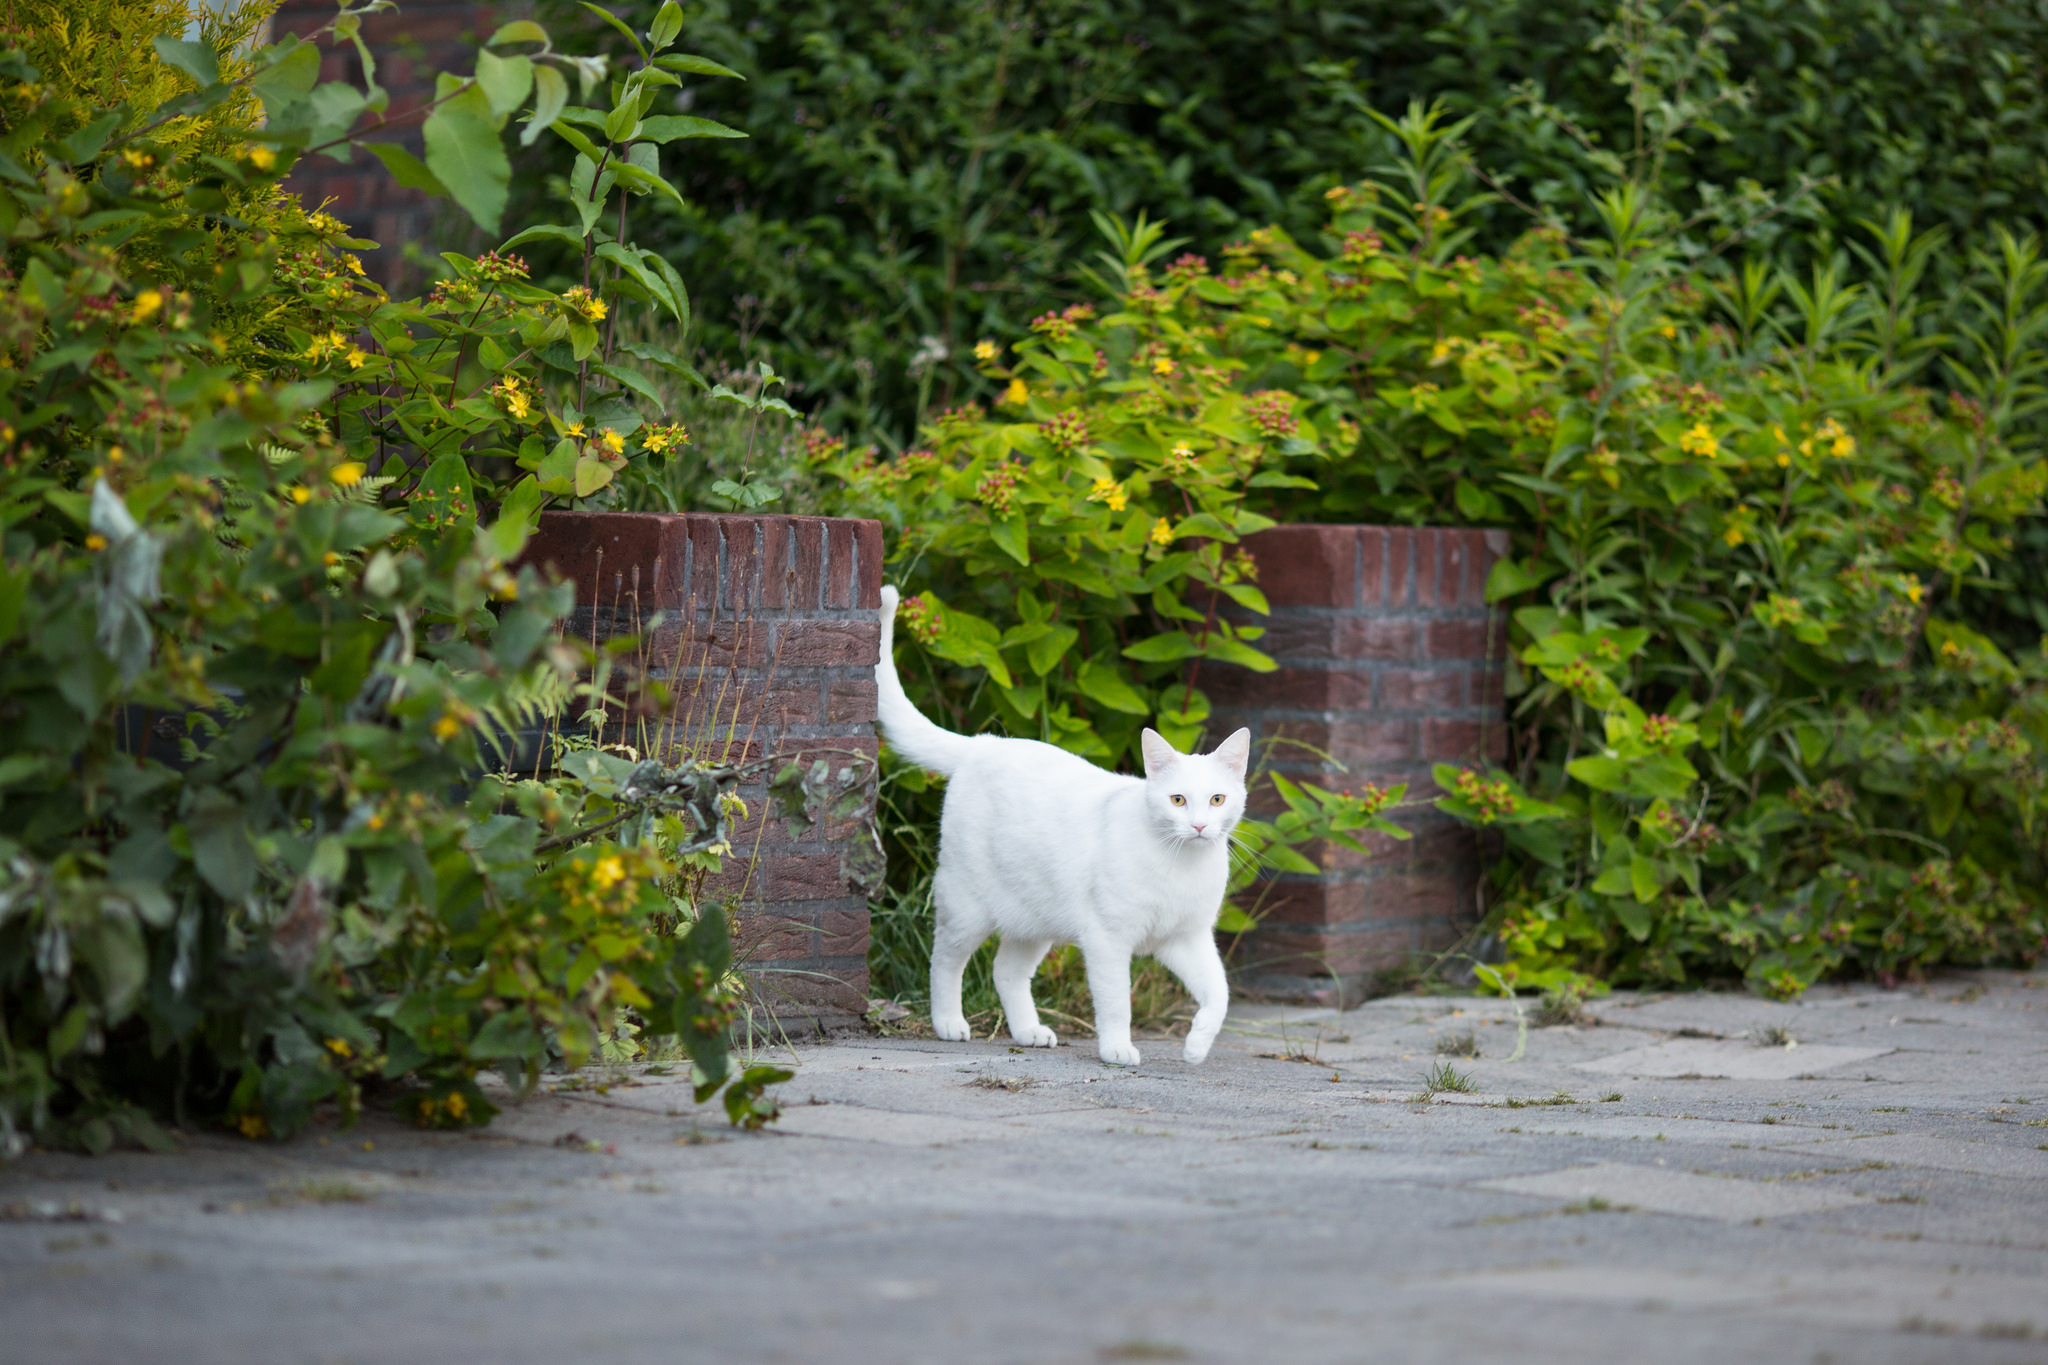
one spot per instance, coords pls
(1217, 799)
(1178, 799)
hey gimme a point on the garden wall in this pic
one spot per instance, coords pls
(1390, 662)
(767, 629)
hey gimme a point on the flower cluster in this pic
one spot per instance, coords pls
(997, 490)
(1061, 325)
(922, 617)
(1066, 431)
(1946, 489)
(1162, 532)
(1180, 461)
(1187, 267)
(1493, 799)
(1781, 611)
(496, 268)
(662, 439)
(1830, 434)
(512, 392)
(1109, 492)
(1272, 412)
(1699, 441)
(585, 304)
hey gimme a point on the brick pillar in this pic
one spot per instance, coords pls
(768, 635)
(1382, 635)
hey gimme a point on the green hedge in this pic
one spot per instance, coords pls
(928, 168)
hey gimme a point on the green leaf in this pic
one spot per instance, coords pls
(1012, 538)
(1048, 649)
(633, 380)
(196, 60)
(1643, 878)
(518, 31)
(618, 24)
(465, 154)
(548, 231)
(668, 22)
(1476, 503)
(505, 81)
(557, 473)
(675, 127)
(407, 169)
(591, 475)
(1105, 684)
(1509, 579)
(695, 65)
(1159, 649)
(550, 97)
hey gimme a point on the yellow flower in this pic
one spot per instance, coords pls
(1700, 441)
(356, 356)
(115, 454)
(1779, 432)
(1183, 451)
(347, 475)
(448, 726)
(1844, 446)
(612, 441)
(456, 1106)
(1017, 394)
(607, 872)
(1337, 192)
(1913, 589)
(1784, 460)
(302, 495)
(375, 822)
(1162, 367)
(573, 429)
(251, 1126)
(330, 559)
(355, 266)
(146, 305)
(340, 1048)
(262, 158)
(1162, 533)
(984, 351)
(95, 542)
(1667, 331)
(1109, 491)
(1733, 535)
(1441, 353)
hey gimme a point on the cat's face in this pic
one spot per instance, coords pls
(1196, 798)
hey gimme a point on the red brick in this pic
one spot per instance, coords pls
(1410, 896)
(802, 877)
(1366, 743)
(764, 936)
(850, 701)
(1458, 741)
(826, 988)
(828, 643)
(868, 547)
(1462, 639)
(1422, 689)
(841, 567)
(1291, 638)
(1399, 593)
(843, 933)
(1374, 638)
(1307, 566)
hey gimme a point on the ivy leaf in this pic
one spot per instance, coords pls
(466, 155)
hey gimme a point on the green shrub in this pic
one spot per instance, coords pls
(927, 169)
(253, 853)
(1750, 734)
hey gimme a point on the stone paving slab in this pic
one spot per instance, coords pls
(1727, 1059)
(1626, 1186)
(969, 1204)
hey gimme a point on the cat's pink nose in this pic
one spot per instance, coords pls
(1200, 828)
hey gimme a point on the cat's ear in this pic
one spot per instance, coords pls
(1159, 755)
(1235, 752)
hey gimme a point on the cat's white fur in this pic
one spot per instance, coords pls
(1044, 848)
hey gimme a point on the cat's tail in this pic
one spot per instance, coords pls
(906, 729)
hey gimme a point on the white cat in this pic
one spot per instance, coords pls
(1045, 848)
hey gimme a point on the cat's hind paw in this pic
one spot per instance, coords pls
(1038, 1035)
(1119, 1054)
(954, 1030)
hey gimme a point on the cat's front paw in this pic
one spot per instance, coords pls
(1194, 1053)
(1038, 1035)
(1119, 1054)
(954, 1030)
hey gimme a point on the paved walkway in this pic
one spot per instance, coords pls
(1663, 1186)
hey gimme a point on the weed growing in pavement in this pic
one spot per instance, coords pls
(1444, 1077)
